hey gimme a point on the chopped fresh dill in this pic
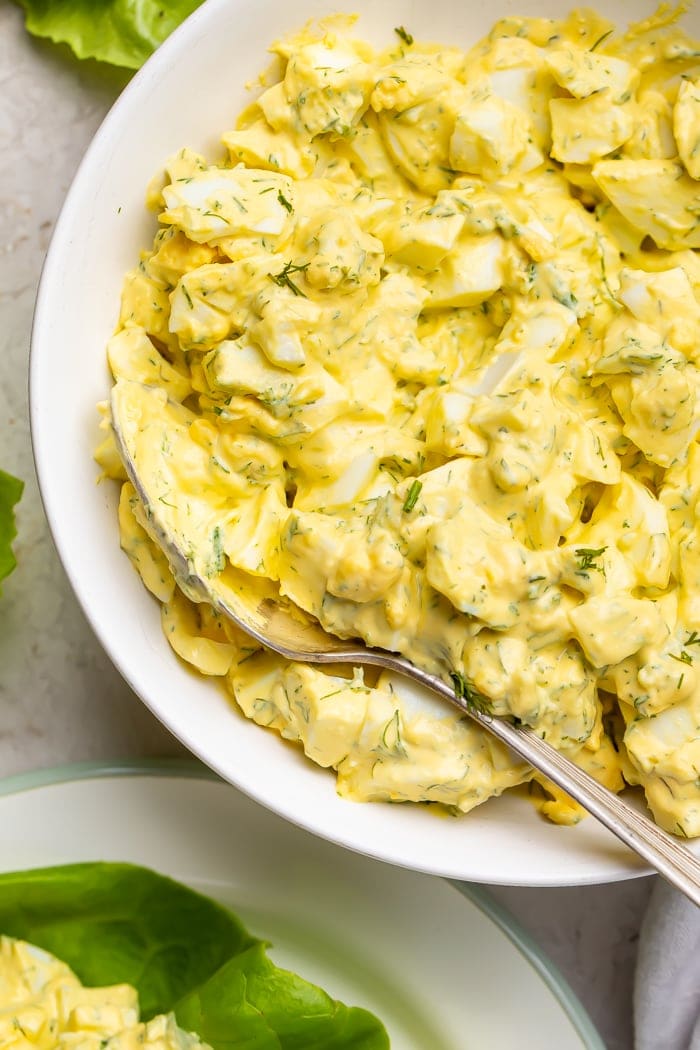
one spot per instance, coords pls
(282, 279)
(683, 657)
(604, 272)
(404, 35)
(600, 39)
(692, 639)
(412, 497)
(327, 696)
(284, 202)
(219, 558)
(188, 297)
(587, 558)
(250, 653)
(567, 299)
(473, 699)
(391, 736)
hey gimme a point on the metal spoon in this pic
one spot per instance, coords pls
(279, 625)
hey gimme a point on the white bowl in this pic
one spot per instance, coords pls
(187, 94)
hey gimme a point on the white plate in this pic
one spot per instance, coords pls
(433, 965)
(187, 94)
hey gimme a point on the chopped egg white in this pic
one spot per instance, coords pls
(43, 1006)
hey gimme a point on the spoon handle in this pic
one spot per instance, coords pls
(668, 855)
(664, 852)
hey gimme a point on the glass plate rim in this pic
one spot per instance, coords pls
(193, 769)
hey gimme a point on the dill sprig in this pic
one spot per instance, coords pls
(473, 699)
(283, 280)
(404, 35)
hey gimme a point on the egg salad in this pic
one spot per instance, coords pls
(420, 352)
(44, 1006)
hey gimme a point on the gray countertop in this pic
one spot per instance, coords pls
(60, 698)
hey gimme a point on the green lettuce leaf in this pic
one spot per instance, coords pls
(10, 493)
(254, 1004)
(121, 32)
(115, 923)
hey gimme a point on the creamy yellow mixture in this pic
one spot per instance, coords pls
(421, 352)
(43, 1006)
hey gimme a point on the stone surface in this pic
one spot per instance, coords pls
(60, 698)
(591, 934)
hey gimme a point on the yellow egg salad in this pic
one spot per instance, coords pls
(43, 1006)
(420, 352)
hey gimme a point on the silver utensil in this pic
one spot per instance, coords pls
(285, 629)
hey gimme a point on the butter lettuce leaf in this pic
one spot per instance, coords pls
(250, 997)
(121, 32)
(114, 923)
(182, 951)
(10, 492)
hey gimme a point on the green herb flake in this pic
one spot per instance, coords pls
(283, 280)
(587, 558)
(567, 299)
(391, 736)
(218, 562)
(404, 35)
(600, 39)
(473, 699)
(284, 202)
(412, 497)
